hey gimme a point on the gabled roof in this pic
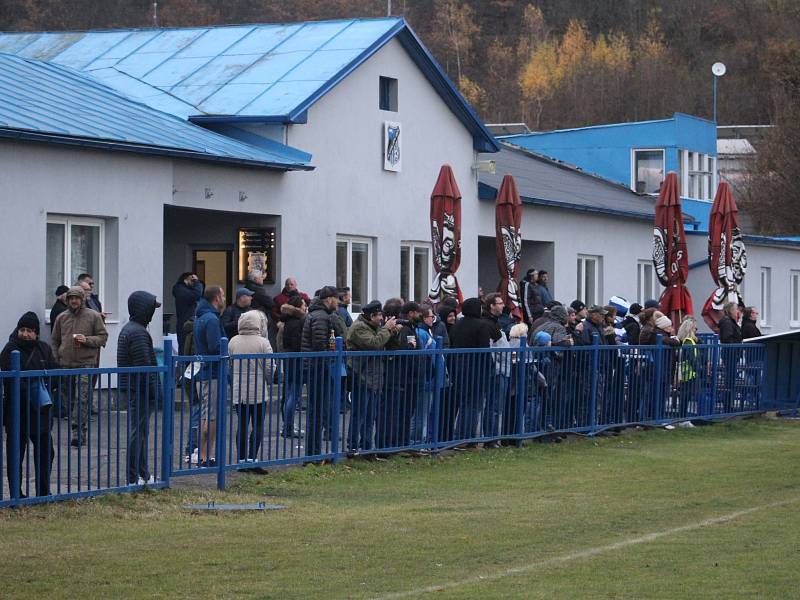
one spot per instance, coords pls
(51, 103)
(545, 182)
(238, 73)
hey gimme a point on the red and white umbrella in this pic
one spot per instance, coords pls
(508, 243)
(446, 236)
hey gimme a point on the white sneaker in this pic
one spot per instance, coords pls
(150, 481)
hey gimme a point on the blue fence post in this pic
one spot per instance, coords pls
(13, 455)
(222, 406)
(336, 381)
(593, 385)
(519, 405)
(657, 371)
(438, 385)
(711, 403)
(167, 414)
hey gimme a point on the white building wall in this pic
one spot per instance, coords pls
(349, 193)
(619, 242)
(127, 191)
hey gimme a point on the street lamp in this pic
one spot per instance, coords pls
(718, 70)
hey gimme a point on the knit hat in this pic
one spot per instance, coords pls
(542, 338)
(471, 307)
(371, 308)
(663, 322)
(30, 321)
(621, 304)
(594, 308)
(62, 289)
(635, 308)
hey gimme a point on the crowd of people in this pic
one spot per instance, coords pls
(389, 396)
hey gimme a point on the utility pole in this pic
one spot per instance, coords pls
(388, 8)
(155, 15)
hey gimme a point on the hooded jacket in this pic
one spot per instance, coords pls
(135, 347)
(317, 327)
(290, 329)
(472, 331)
(729, 331)
(83, 321)
(366, 335)
(440, 327)
(251, 376)
(207, 332)
(750, 329)
(554, 325)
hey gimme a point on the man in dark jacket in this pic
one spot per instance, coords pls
(92, 299)
(186, 291)
(544, 292)
(59, 306)
(594, 324)
(321, 327)
(207, 335)
(230, 317)
(471, 372)
(138, 392)
(729, 330)
(34, 424)
(500, 374)
(631, 324)
(750, 323)
(532, 306)
(730, 333)
(289, 339)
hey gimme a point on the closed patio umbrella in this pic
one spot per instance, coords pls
(727, 257)
(670, 257)
(446, 236)
(508, 243)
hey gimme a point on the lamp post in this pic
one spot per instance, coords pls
(718, 70)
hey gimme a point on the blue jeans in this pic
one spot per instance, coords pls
(292, 394)
(421, 422)
(493, 407)
(362, 418)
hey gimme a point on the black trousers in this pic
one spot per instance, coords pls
(35, 427)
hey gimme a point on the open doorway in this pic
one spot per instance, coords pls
(215, 267)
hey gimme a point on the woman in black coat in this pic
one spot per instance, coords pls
(35, 425)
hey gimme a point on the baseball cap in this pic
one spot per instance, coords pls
(244, 292)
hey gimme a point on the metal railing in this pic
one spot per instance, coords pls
(216, 414)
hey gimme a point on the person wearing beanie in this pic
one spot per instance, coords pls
(59, 306)
(664, 328)
(542, 338)
(445, 319)
(35, 423)
(631, 324)
(78, 335)
(138, 392)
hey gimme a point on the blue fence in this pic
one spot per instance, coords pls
(121, 429)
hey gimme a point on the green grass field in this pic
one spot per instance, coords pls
(711, 512)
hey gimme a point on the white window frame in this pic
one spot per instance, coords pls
(350, 240)
(412, 247)
(794, 298)
(68, 221)
(642, 295)
(581, 268)
(704, 168)
(633, 165)
(765, 308)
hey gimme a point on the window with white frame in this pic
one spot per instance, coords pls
(648, 171)
(589, 279)
(354, 269)
(794, 298)
(698, 175)
(647, 286)
(74, 246)
(766, 295)
(414, 271)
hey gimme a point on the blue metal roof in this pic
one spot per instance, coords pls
(237, 73)
(47, 102)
